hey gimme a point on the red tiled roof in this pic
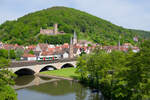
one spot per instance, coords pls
(43, 46)
(123, 48)
(127, 44)
(29, 55)
(31, 47)
(46, 53)
(9, 46)
(65, 45)
(51, 49)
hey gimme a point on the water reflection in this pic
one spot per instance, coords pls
(55, 90)
(24, 80)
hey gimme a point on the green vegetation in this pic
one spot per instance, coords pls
(119, 75)
(6, 79)
(54, 39)
(25, 30)
(8, 54)
(66, 72)
(19, 54)
(31, 52)
(144, 34)
(12, 54)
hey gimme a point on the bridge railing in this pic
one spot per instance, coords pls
(30, 63)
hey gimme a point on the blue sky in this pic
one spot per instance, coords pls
(127, 13)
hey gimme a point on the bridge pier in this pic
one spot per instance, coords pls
(37, 69)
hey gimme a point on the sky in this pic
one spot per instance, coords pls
(133, 14)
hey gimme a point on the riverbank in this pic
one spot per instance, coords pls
(66, 74)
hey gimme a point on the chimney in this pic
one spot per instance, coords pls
(55, 29)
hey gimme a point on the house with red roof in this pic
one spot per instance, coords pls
(29, 57)
(65, 45)
(41, 47)
(31, 47)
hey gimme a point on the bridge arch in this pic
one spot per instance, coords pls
(67, 65)
(48, 67)
(25, 71)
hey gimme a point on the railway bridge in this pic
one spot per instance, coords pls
(34, 67)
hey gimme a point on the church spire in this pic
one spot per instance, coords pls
(75, 35)
(71, 41)
(75, 38)
(71, 48)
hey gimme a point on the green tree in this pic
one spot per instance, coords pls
(119, 75)
(19, 53)
(6, 80)
(31, 52)
(138, 76)
(82, 67)
(12, 54)
(26, 29)
(3, 53)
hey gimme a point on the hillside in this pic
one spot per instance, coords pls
(25, 29)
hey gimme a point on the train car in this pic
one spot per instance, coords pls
(48, 58)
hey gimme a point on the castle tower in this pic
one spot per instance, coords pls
(55, 29)
(74, 38)
(71, 49)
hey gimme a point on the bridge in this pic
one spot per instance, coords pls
(34, 67)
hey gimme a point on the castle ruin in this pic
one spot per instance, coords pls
(51, 31)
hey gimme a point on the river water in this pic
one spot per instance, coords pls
(40, 88)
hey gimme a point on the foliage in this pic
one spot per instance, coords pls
(144, 34)
(3, 53)
(12, 54)
(119, 75)
(31, 52)
(54, 39)
(25, 30)
(19, 53)
(6, 79)
(140, 65)
(8, 54)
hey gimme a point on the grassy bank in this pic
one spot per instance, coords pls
(66, 72)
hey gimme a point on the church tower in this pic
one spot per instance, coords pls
(74, 38)
(71, 49)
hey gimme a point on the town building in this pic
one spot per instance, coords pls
(29, 57)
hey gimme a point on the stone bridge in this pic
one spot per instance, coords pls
(34, 67)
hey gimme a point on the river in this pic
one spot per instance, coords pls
(40, 88)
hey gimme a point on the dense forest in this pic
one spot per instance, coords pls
(25, 30)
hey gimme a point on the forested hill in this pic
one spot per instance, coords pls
(25, 29)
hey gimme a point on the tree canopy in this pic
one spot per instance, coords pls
(118, 75)
(25, 29)
(6, 80)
